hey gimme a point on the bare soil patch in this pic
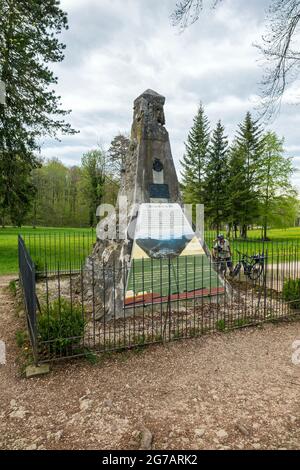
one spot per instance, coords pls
(238, 390)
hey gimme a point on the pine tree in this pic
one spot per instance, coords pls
(216, 184)
(28, 42)
(194, 161)
(247, 153)
(238, 193)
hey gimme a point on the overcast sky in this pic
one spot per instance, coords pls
(116, 49)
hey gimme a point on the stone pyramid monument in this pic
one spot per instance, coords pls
(150, 184)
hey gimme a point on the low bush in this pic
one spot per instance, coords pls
(291, 292)
(13, 288)
(62, 325)
(39, 268)
(21, 338)
(220, 325)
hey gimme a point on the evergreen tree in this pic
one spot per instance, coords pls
(246, 160)
(216, 184)
(238, 191)
(194, 161)
(28, 42)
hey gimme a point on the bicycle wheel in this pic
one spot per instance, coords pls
(236, 270)
(256, 271)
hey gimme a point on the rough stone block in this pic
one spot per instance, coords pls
(32, 371)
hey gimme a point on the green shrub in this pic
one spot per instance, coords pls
(91, 357)
(39, 268)
(220, 325)
(21, 338)
(239, 322)
(13, 288)
(61, 324)
(291, 292)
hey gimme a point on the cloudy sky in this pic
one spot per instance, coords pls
(118, 48)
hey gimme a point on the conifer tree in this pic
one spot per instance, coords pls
(194, 161)
(216, 183)
(28, 43)
(246, 159)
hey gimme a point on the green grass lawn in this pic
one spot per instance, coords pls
(70, 246)
(46, 245)
(284, 244)
(277, 234)
(274, 234)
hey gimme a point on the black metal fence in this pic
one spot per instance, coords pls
(107, 308)
(56, 247)
(27, 281)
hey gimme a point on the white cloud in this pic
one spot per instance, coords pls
(118, 48)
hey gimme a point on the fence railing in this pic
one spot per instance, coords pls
(100, 307)
(63, 248)
(28, 283)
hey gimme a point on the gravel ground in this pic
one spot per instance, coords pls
(238, 390)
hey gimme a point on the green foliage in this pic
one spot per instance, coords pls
(216, 197)
(21, 338)
(59, 199)
(67, 196)
(28, 43)
(194, 161)
(220, 325)
(117, 153)
(240, 322)
(291, 292)
(139, 340)
(39, 266)
(93, 164)
(241, 186)
(274, 174)
(91, 357)
(13, 288)
(55, 245)
(245, 160)
(63, 324)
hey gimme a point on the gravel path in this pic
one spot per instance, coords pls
(228, 391)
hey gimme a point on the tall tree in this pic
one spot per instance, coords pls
(28, 43)
(238, 189)
(217, 179)
(116, 154)
(194, 161)
(275, 172)
(285, 210)
(93, 163)
(249, 143)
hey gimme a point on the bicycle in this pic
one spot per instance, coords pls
(253, 265)
(221, 265)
